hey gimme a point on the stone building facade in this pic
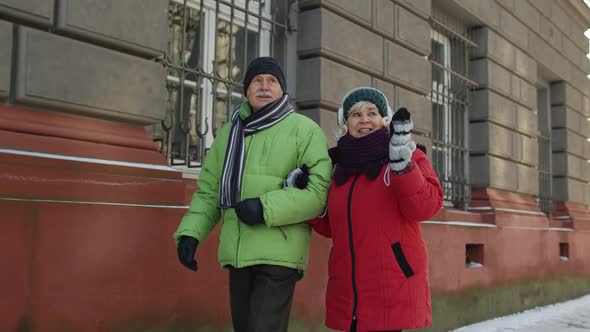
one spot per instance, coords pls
(108, 107)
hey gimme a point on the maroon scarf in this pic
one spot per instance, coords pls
(364, 155)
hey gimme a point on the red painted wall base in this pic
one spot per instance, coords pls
(86, 244)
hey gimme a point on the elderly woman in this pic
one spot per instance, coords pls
(382, 188)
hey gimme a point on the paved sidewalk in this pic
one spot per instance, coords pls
(567, 316)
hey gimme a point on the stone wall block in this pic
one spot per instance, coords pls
(351, 41)
(517, 146)
(577, 34)
(490, 171)
(563, 139)
(550, 33)
(532, 96)
(516, 87)
(479, 137)
(494, 46)
(523, 91)
(34, 12)
(525, 66)
(508, 4)
(5, 58)
(309, 89)
(514, 29)
(424, 7)
(327, 121)
(418, 105)
(526, 184)
(584, 63)
(320, 79)
(480, 102)
(559, 163)
(544, 53)
(57, 72)
(527, 121)
(489, 74)
(578, 168)
(504, 52)
(488, 105)
(528, 14)
(481, 36)
(558, 93)
(577, 190)
(479, 171)
(504, 174)
(413, 30)
(310, 30)
(502, 142)
(385, 18)
(362, 10)
(561, 19)
(559, 140)
(488, 11)
(388, 90)
(573, 53)
(577, 78)
(345, 77)
(115, 24)
(530, 151)
(559, 116)
(407, 67)
(560, 190)
(565, 117)
(563, 93)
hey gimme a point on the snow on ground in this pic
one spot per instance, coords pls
(567, 316)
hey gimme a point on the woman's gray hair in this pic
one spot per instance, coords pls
(357, 106)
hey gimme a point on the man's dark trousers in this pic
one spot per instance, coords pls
(261, 297)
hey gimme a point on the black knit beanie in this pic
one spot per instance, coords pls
(264, 65)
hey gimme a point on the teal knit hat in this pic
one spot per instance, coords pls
(364, 94)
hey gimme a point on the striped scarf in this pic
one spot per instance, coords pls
(233, 166)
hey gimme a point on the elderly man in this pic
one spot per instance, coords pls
(264, 239)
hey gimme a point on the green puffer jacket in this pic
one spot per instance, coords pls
(270, 155)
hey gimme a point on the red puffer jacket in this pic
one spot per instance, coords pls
(378, 267)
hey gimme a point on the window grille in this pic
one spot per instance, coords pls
(210, 43)
(545, 198)
(450, 106)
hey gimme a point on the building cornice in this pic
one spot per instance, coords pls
(578, 9)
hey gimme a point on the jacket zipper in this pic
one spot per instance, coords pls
(352, 257)
(238, 221)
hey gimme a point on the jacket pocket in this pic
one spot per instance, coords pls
(401, 260)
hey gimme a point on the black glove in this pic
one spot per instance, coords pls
(422, 147)
(187, 245)
(298, 178)
(250, 211)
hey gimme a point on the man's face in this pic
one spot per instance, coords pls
(263, 89)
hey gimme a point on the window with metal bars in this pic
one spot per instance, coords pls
(210, 43)
(450, 106)
(545, 197)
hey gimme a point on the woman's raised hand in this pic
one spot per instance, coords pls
(401, 145)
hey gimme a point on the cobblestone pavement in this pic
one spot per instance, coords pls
(567, 316)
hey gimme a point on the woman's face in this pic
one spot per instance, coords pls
(364, 121)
